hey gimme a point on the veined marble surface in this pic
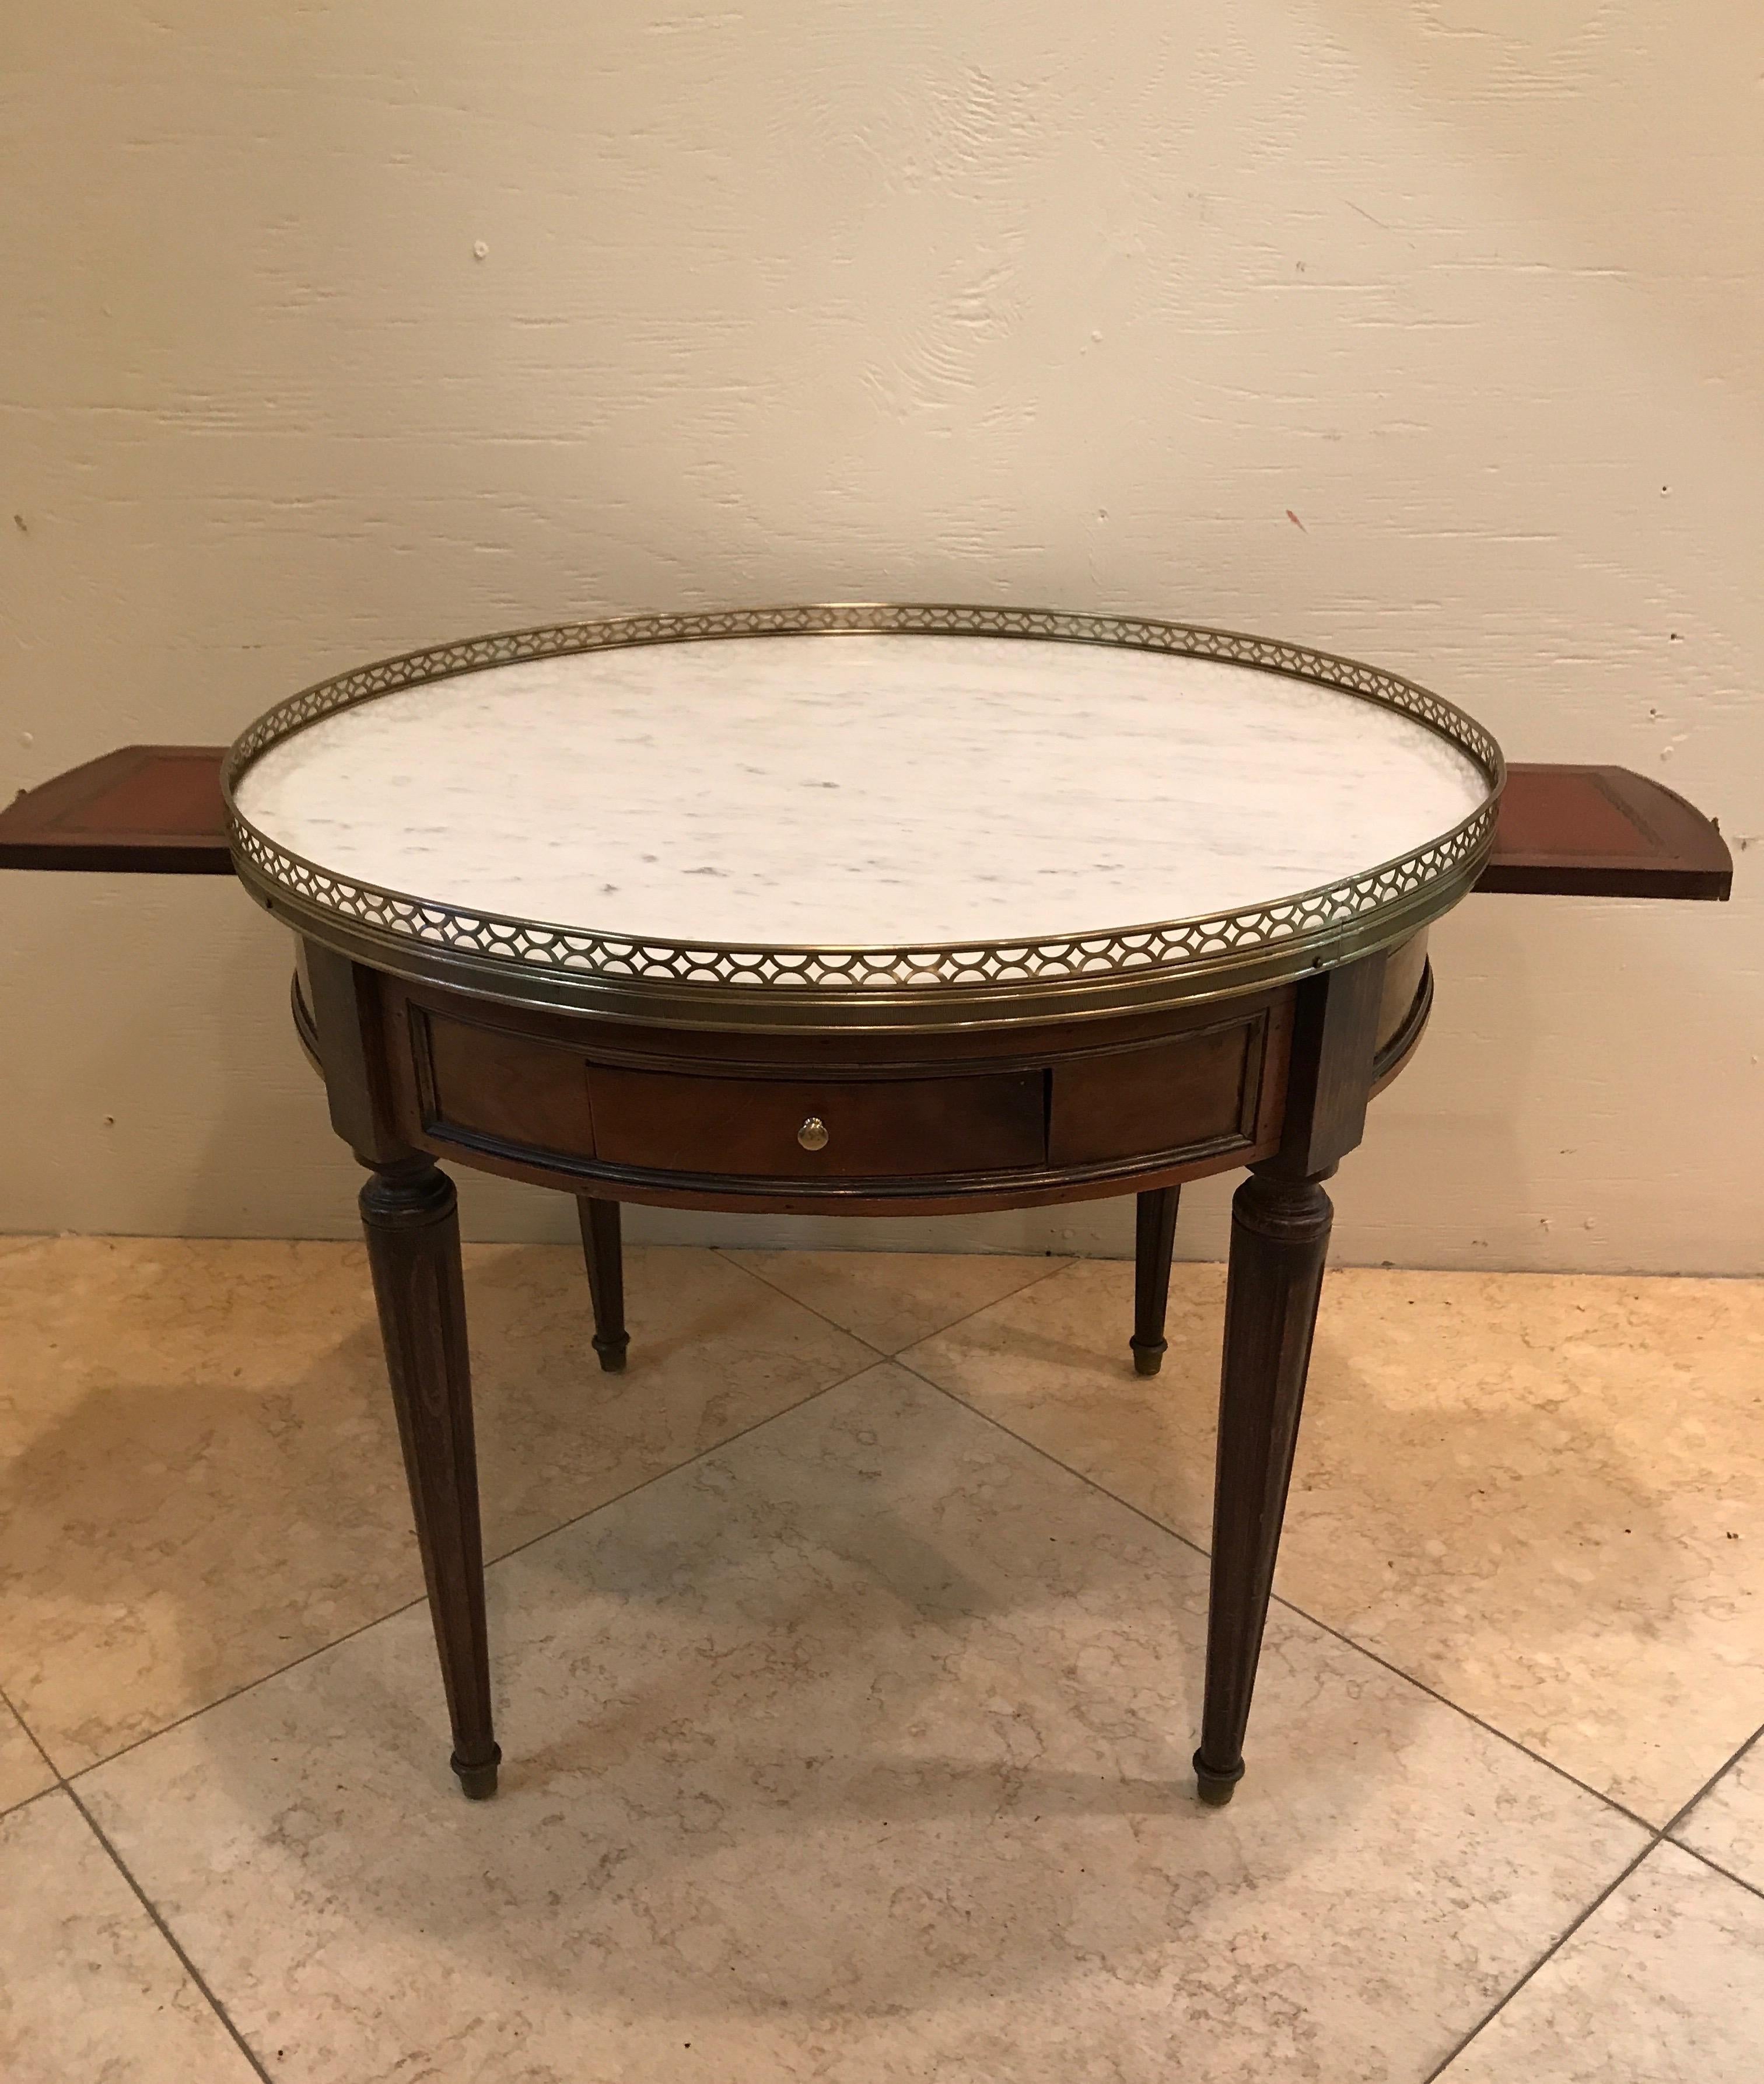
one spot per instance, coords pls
(860, 790)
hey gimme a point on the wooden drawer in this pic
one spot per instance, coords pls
(491, 1089)
(540, 1099)
(1196, 1095)
(876, 1129)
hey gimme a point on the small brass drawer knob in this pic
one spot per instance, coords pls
(812, 1135)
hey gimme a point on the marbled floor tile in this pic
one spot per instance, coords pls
(200, 1477)
(90, 1992)
(857, 1750)
(1663, 1984)
(1542, 1494)
(891, 1299)
(714, 1350)
(1728, 1824)
(24, 1770)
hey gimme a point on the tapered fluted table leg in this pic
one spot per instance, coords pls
(1154, 1240)
(409, 1214)
(1279, 1233)
(605, 1254)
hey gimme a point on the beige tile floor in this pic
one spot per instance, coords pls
(1543, 1497)
(848, 1657)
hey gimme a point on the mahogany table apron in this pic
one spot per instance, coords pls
(927, 1121)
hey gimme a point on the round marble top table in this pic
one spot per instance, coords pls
(865, 910)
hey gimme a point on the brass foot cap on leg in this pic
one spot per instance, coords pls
(612, 1353)
(1148, 1358)
(1214, 1787)
(477, 1783)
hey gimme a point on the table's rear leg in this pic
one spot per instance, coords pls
(605, 1254)
(1279, 1234)
(409, 1213)
(1154, 1240)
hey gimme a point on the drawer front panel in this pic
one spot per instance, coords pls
(874, 1128)
(483, 1085)
(1198, 1093)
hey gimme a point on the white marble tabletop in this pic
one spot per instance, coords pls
(853, 790)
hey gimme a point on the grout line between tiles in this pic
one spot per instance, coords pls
(501, 1556)
(250, 1686)
(716, 1447)
(65, 1780)
(1548, 1954)
(1481, 1722)
(844, 1330)
(1470, 1715)
(1720, 1772)
(392, 1613)
(1408, 1678)
(1047, 1454)
(31, 1738)
(43, 1794)
(1657, 1833)
(170, 1937)
(1751, 1888)
(1054, 1265)
(1058, 1265)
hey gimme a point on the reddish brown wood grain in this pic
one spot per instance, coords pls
(1603, 832)
(143, 810)
(874, 1128)
(1176, 1096)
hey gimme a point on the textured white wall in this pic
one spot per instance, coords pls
(1427, 330)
